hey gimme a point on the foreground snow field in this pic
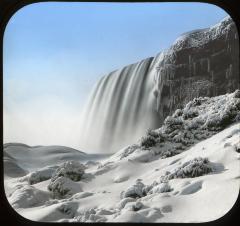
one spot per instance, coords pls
(186, 171)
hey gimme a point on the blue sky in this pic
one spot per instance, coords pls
(55, 52)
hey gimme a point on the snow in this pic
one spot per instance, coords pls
(199, 37)
(188, 175)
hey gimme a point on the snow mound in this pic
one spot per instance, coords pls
(28, 196)
(124, 201)
(90, 215)
(41, 174)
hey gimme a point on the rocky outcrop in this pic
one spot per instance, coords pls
(200, 63)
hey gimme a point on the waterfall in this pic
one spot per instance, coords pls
(127, 102)
(120, 109)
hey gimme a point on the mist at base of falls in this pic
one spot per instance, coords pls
(121, 108)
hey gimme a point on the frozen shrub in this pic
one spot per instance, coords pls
(153, 133)
(236, 94)
(63, 187)
(171, 121)
(71, 169)
(148, 141)
(128, 150)
(191, 113)
(200, 119)
(196, 102)
(161, 188)
(135, 191)
(193, 168)
(169, 152)
(171, 124)
(177, 113)
(134, 206)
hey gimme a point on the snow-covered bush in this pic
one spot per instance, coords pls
(193, 168)
(70, 169)
(135, 206)
(41, 175)
(173, 122)
(134, 191)
(200, 119)
(151, 139)
(191, 113)
(177, 113)
(148, 141)
(196, 102)
(129, 150)
(63, 187)
(161, 188)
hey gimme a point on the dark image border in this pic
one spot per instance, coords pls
(9, 217)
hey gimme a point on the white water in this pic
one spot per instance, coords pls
(121, 108)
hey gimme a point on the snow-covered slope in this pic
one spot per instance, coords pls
(142, 183)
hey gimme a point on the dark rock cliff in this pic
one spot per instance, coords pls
(200, 63)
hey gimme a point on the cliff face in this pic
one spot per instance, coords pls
(200, 63)
(126, 102)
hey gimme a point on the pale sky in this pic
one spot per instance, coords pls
(55, 52)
